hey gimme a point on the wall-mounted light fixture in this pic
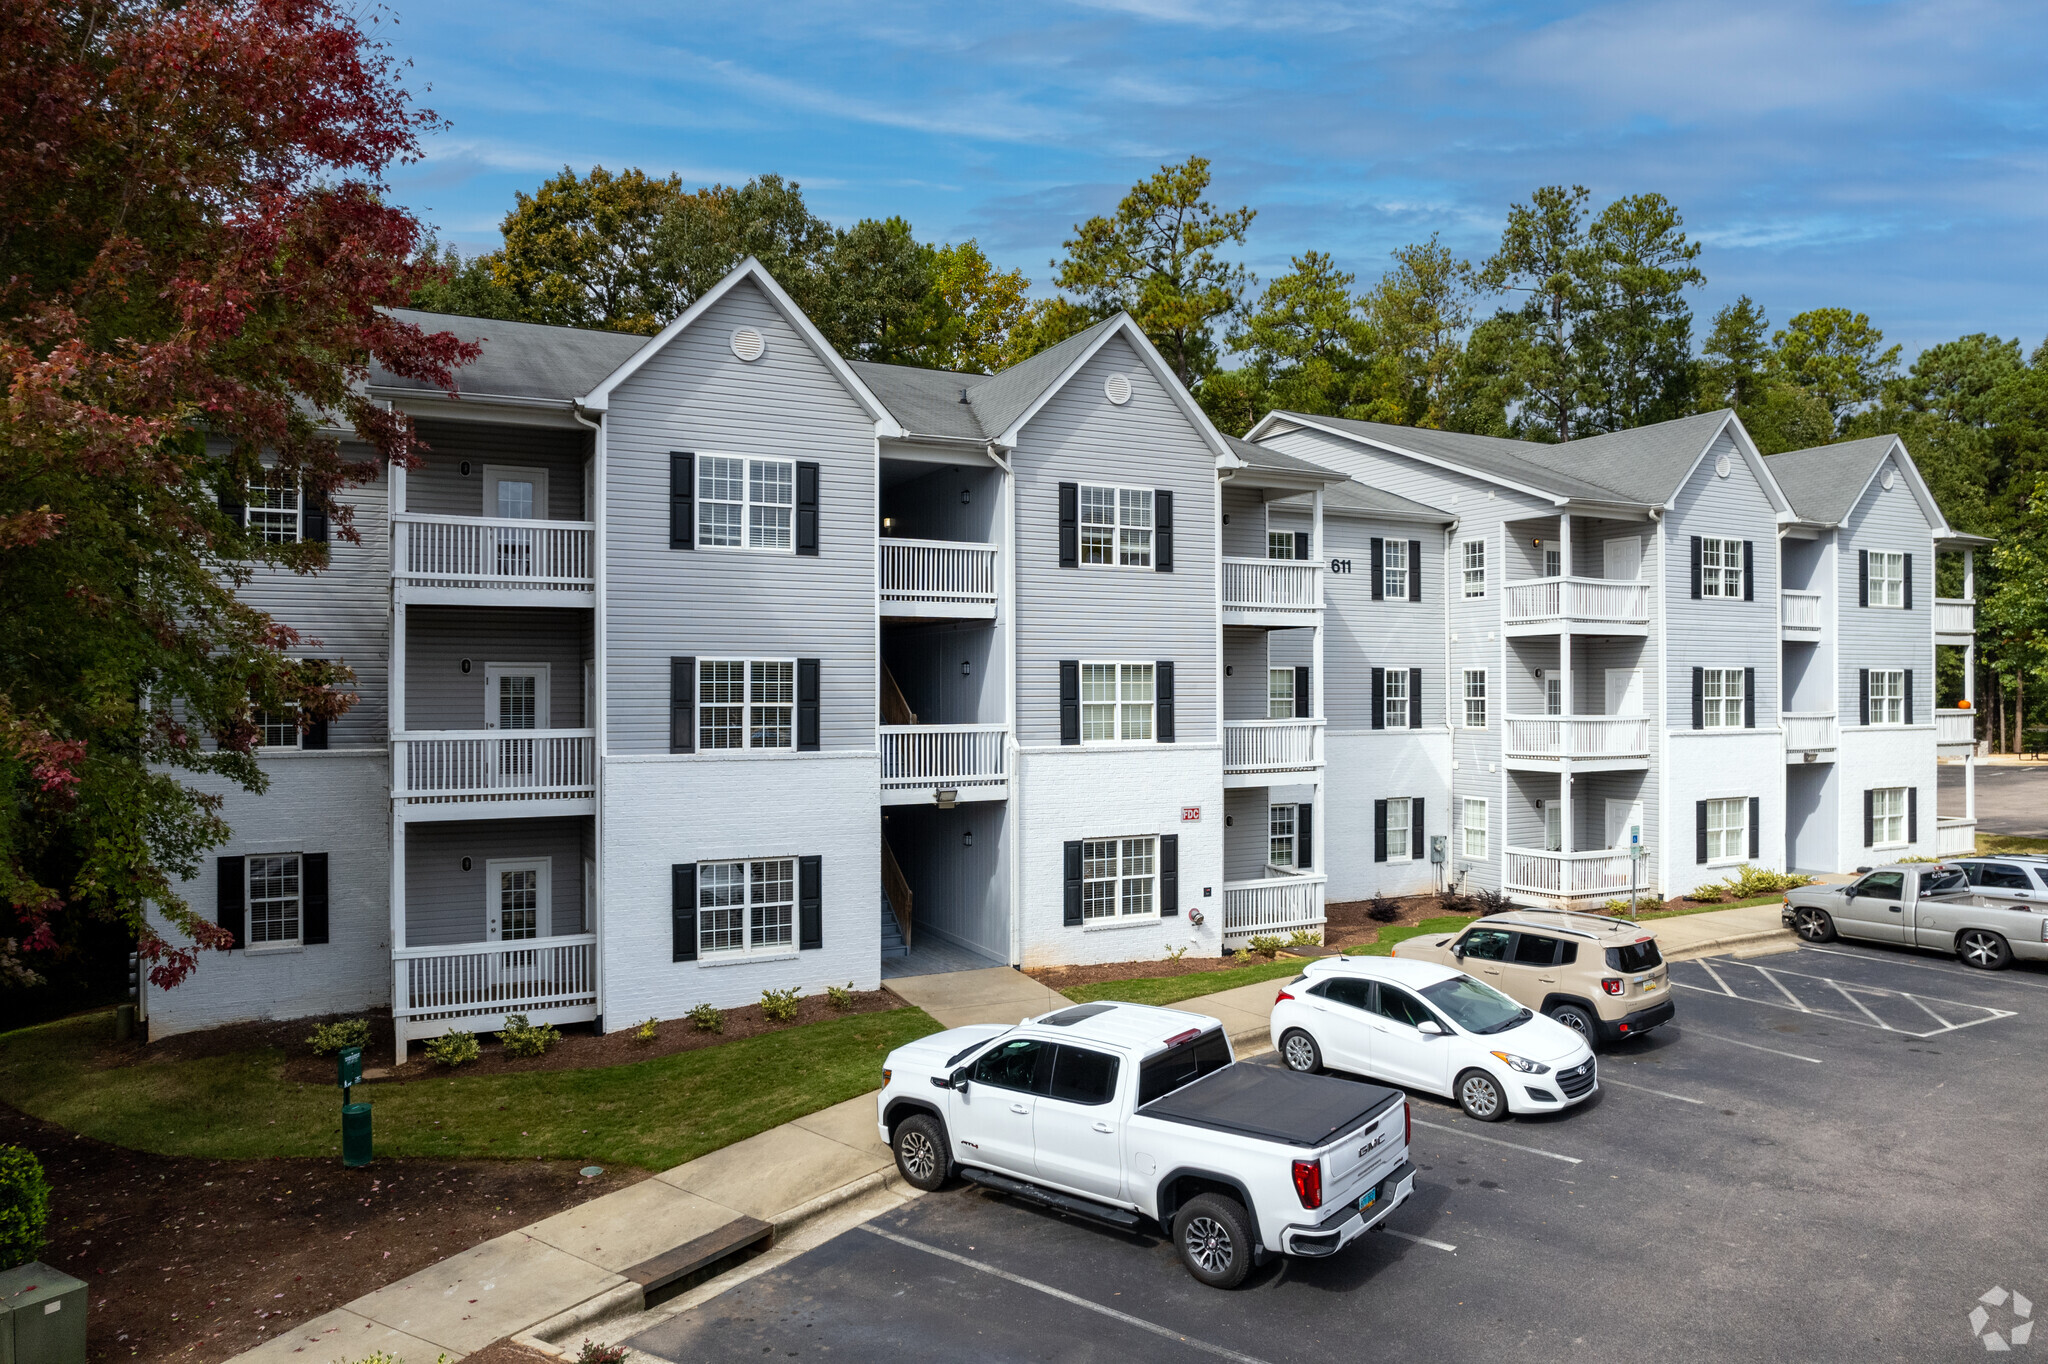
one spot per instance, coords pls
(967, 839)
(965, 497)
(1226, 669)
(1226, 518)
(1537, 543)
(888, 525)
(1229, 820)
(1539, 674)
(465, 468)
(465, 665)
(467, 864)
(966, 668)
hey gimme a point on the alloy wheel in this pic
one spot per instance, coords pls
(1208, 1244)
(1301, 1053)
(920, 1159)
(1810, 923)
(1480, 1096)
(1980, 949)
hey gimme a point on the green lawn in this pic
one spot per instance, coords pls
(1173, 989)
(652, 1114)
(1449, 923)
(2008, 843)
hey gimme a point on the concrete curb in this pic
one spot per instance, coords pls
(1717, 946)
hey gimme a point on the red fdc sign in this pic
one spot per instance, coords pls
(1191, 814)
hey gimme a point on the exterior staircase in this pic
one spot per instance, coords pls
(892, 936)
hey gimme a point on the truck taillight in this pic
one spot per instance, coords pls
(1611, 985)
(1407, 1124)
(1308, 1182)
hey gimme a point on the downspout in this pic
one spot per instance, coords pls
(595, 721)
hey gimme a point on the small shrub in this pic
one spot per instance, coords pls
(1451, 901)
(1305, 937)
(840, 995)
(1382, 910)
(646, 1031)
(523, 1039)
(24, 1206)
(1176, 953)
(779, 1005)
(1616, 906)
(329, 1038)
(1241, 957)
(708, 1018)
(1493, 902)
(1749, 882)
(1265, 944)
(596, 1352)
(454, 1049)
(1712, 893)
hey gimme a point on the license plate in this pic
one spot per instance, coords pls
(1649, 986)
(1368, 1198)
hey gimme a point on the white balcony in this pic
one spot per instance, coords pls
(1955, 732)
(473, 987)
(492, 561)
(1573, 880)
(1955, 837)
(1276, 593)
(1809, 732)
(1595, 606)
(1254, 751)
(494, 773)
(1278, 905)
(938, 579)
(921, 763)
(1594, 743)
(1799, 618)
(1955, 620)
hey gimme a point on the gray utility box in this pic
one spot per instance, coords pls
(42, 1316)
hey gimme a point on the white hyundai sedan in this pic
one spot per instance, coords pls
(1434, 1028)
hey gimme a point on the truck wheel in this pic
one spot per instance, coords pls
(1575, 1018)
(1300, 1052)
(1215, 1239)
(921, 1153)
(1480, 1097)
(1812, 924)
(1983, 949)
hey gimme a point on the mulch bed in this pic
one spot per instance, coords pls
(196, 1260)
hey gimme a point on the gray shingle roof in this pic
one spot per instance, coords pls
(1004, 397)
(1823, 483)
(925, 402)
(1265, 457)
(1354, 498)
(520, 359)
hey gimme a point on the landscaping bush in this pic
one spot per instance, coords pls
(1616, 906)
(24, 1206)
(1176, 953)
(1265, 944)
(329, 1038)
(1451, 901)
(708, 1018)
(1493, 902)
(1749, 882)
(779, 1005)
(1382, 910)
(1305, 937)
(1712, 893)
(596, 1352)
(454, 1049)
(646, 1031)
(1241, 957)
(841, 996)
(523, 1039)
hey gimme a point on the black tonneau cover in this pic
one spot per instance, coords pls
(1278, 1105)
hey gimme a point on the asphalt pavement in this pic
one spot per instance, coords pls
(2011, 798)
(1841, 1163)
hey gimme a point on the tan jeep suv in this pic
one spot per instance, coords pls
(1604, 977)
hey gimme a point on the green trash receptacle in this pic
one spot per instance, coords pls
(355, 1135)
(42, 1316)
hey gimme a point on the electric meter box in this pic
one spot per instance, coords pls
(42, 1316)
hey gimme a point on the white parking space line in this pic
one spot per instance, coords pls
(1822, 989)
(1789, 996)
(1738, 1042)
(1420, 1240)
(1516, 1146)
(2002, 978)
(1929, 1012)
(1204, 1346)
(1860, 1004)
(1610, 1080)
(1705, 966)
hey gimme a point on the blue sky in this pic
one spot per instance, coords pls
(1891, 157)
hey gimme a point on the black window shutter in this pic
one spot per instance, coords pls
(1699, 832)
(1699, 698)
(807, 705)
(682, 705)
(1869, 818)
(810, 903)
(1906, 582)
(312, 518)
(1863, 577)
(1379, 698)
(807, 508)
(1696, 573)
(683, 911)
(682, 514)
(1912, 814)
(314, 740)
(1162, 531)
(1301, 544)
(1756, 827)
(1908, 698)
(231, 505)
(1070, 525)
(1304, 837)
(1415, 570)
(230, 888)
(1162, 694)
(1415, 828)
(1169, 876)
(1415, 698)
(1379, 831)
(312, 898)
(1378, 554)
(1749, 698)
(1863, 696)
(1749, 570)
(1304, 699)
(1070, 701)
(1072, 918)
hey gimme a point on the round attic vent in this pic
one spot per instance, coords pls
(1889, 479)
(1117, 389)
(747, 344)
(1722, 466)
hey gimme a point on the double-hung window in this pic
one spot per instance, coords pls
(1119, 878)
(1721, 698)
(1279, 544)
(1887, 696)
(1396, 698)
(1475, 568)
(1727, 829)
(1116, 526)
(1116, 703)
(1721, 568)
(746, 503)
(1553, 695)
(1472, 828)
(275, 511)
(1280, 827)
(1399, 839)
(276, 728)
(1887, 578)
(1475, 698)
(1279, 693)
(746, 703)
(746, 907)
(1888, 816)
(273, 900)
(1553, 563)
(1394, 570)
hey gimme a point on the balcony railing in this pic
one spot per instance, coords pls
(1596, 600)
(950, 757)
(1277, 904)
(1801, 611)
(938, 573)
(483, 552)
(1603, 872)
(1578, 736)
(1279, 585)
(439, 767)
(1955, 837)
(1955, 727)
(1953, 616)
(1272, 745)
(474, 986)
(1809, 732)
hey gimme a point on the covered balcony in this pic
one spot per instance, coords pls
(1593, 743)
(944, 764)
(1275, 593)
(488, 560)
(475, 987)
(1809, 736)
(494, 773)
(1799, 617)
(1955, 732)
(1955, 621)
(1539, 606)
(1257, 751)
(1275, 904)
(1573, 880)
(937, 580)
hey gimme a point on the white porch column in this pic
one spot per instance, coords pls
(1567, 705)
(1316, 641)
(1969, 575)
(398, 922)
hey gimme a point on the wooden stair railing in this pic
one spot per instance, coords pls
(895, 710)
(897, 889)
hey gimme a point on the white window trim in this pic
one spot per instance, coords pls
(256, 717)
(495, 473)
(1406, 852)
(261, 490)
(1894, 587)
(247, 940)
(1117, 545)
(1465, 829)
(1271, 536)
(543, 689)
(747, 745)
(1465, 699)
(1741, 830)
(1293, 834)
(1877, 820)
(1465, 548)
(746, 503)
(1388, 680)
(1120, 664)
(1721, 573)
(1898, 700)
(1271, 673)
(1390, 548)
(543, 922)
(746, 951)
(1711, 706)
(1121, 919)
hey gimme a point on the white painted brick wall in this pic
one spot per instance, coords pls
(1708, 766)
(1882, 757)
(1363, 768)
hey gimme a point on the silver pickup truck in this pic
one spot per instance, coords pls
(1922, 904)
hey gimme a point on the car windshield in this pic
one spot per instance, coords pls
(1476, 1006)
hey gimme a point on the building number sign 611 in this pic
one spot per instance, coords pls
(1340, 565)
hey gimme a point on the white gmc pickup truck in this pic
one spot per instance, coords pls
(1123, 1112)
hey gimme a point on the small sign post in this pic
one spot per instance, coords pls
(1635, 859)
(355, 1117)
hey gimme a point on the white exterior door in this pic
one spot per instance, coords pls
(1622, 559)
(1553, 826)
(515, 704)
(1624, 817)
(514, 495)
(516, 903)
(1624, 690)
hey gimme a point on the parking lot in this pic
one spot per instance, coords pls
(1832, 1154)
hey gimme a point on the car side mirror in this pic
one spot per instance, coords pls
(1429, 1029)
(1458, 951)
(1849, 892)
(959, 1080)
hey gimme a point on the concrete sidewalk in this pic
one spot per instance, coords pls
(996, 994)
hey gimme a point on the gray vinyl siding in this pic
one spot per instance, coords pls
(1108, 612)
(927, 502)
(1244, 685)
(958, 893)
(1715, 632)
(696, 396)
(445, 904)
(925, 661)
(1246, 838)
(1244, 515)
(439, 695)
(1886, 636)
(440, 487)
